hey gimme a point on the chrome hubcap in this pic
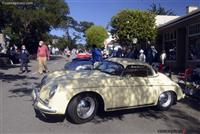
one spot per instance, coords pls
(85, 107)
(165, 99)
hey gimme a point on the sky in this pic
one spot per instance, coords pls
(100, 12)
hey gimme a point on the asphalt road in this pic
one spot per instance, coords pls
(17, 115)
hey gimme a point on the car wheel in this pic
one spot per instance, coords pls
(82, 108)
(165, 100)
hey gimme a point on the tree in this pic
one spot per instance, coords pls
(83, 26)
(78, 28)
(159, 10)
(31, 23)
(129, 24)
(96, 35)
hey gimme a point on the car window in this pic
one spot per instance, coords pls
(138, 71)
(79, 65)
(110, 68)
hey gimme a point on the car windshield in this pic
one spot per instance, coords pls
(110, 68)
(79, 65)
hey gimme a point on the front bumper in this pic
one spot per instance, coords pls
(41, 105)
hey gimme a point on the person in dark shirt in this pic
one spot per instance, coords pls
(24, 58)
(96, 54)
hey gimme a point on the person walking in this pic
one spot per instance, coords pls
(24, 58)
(73, 54)
(154, 53)
(163, 57)
(42, 56)
(142, 56)
(96, 54)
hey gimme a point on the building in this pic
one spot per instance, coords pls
(162, 19)
(180, 38)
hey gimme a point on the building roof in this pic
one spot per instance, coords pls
(180, 19)
(163, 19)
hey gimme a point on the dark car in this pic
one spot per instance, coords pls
(79, 64)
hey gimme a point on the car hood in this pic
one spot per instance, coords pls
(73, 75)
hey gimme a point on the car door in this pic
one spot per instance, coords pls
(114, 88)
(119, 92)
(140, 91)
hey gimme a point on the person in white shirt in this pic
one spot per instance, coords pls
(142, 56)
(163, 57)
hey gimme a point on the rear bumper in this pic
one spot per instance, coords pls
(41, 105)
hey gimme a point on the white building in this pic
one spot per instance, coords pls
(108, 40)
(163, 19)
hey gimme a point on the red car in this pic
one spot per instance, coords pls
(83, 55)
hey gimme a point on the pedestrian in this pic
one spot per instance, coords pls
(96, 54)
(142, 56)
(67, 53)
(53, 51)
(154, 52)
(163, 57)
(24, 59)
(42, 57)
(11, 54)
(73, 54)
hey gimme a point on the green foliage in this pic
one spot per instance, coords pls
(83, 26)
(159, 10)
(30, 23)
(62, 43)
(79, 28)
(130, 24)
(96, 35)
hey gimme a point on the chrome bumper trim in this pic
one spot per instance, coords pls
(37, 101)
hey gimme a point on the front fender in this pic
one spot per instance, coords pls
(62, 98)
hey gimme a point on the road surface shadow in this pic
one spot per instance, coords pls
(184, 121)
(25, 89)
(173, 118)
(55, 57)
(9, 66)
(15, 77)
(14, 66)
(146, 112)
(21, 92)
(193, 103)
(1, 75)
(12, 77)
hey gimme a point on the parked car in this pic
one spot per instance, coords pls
(79, 64)
(116, 83)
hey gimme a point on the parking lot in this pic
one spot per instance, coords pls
(18, 116)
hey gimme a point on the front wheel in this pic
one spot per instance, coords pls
(82, 108)
(165, 100)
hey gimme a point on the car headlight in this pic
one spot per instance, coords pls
(53, 90)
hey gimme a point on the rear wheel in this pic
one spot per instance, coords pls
(82, 108)
(165, 100)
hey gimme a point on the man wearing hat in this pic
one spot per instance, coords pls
(42, 56)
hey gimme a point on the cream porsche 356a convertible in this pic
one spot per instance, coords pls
(116, 83)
